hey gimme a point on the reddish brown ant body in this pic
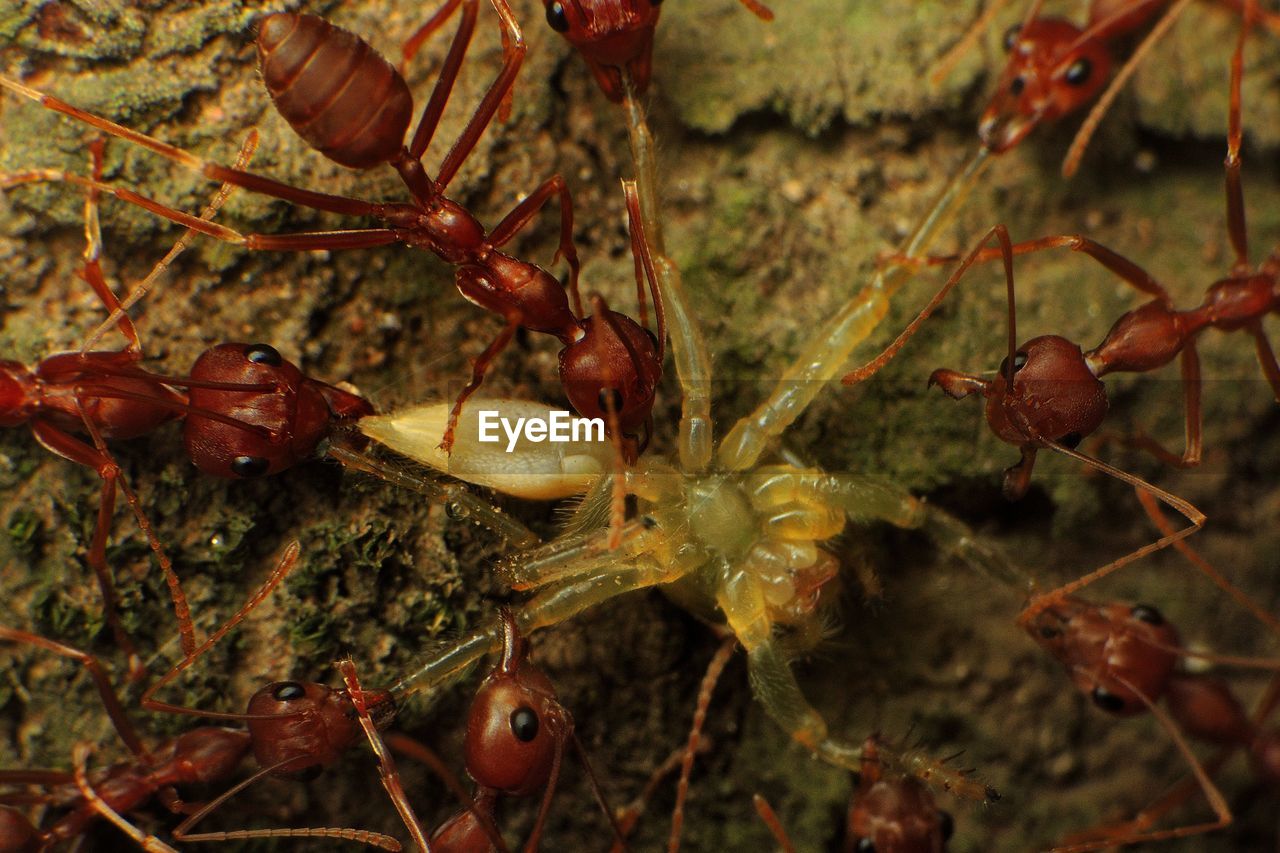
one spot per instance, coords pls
(355, 108)
(615, 37)
(1125, 659)
(1056, 67)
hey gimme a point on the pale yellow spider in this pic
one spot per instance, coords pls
(734, 532)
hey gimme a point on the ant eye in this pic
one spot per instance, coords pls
(610, 400)
(947, 825)
(287, 691)
(524, 724)
(264, 354)
(1048, 633)
(1079, 72)
(1011, 37)
(866, 845)
(557, 18)
(1071, 440)
(1019, 362)
(655, 2)
(1106, 700)
(1147, 613)
(1018, 84)
(249, 466)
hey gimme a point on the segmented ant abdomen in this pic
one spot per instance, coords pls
(514, 729)
(17, 833)
(275, 420)
(334, 89)
(1054, 392)
(1051, 72)
(612, 36)
(204, 755)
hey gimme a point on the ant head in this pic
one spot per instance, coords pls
(1053, 69)
(613, 371)
(208, 754)
(302, 726)
(1047, 391)
(516, 729)
(17, 392)
(1115, 653)
(615, 37)
(270, 418)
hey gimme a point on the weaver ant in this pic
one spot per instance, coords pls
(517, 733)
(609, 364)
(1125, 659)
(887, 814)
(1056, 67)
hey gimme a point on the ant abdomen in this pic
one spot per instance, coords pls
(337, 92)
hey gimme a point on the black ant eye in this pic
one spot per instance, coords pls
(264, 354)
(1019, 362)
(1147, 613)
(1079, 72)
(610, 400)
(249, 466)
(866, 845)
(1017, 85)
(655, 2)
(1049, 633)
(557, 18)
(287, 691)
(1011, 37)
(524, 724)
(1106, 700)
(1071, 440)
(946, 824)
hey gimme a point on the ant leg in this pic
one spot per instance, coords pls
(947, 63)
(770, 818)
(92, 270)
(758, 9)
(1090, 125)
(386, 764)
(527, 209)
(414, 43)
(138, 291)
(110, 701)
(434, 109)
(714, 669)
(1266, 358)
(478, 370)
(1190, 457)
(688, 347)
(1235, 192)
(287, 561)
(513, 53)
(630, 814)
(80, 755)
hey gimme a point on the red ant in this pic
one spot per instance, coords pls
(293, 730)
(615, 37)
(517, 732)
(1125, 659)
(1055, 67)
(1049, 393)
(887, 814)
(355, 108)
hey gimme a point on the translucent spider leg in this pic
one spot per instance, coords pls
(831, 346)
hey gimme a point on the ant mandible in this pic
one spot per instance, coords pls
(1056, 67)
(355, 108)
